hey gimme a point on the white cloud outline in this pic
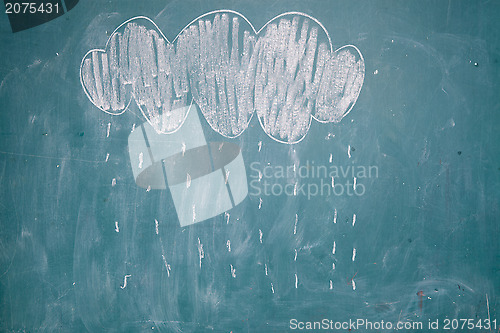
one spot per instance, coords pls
(256, 32)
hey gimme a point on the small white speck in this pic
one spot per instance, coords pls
(113, 182)
(107, 157)
(375, 72)
(117, 229)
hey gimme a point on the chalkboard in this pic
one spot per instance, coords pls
(250, 166)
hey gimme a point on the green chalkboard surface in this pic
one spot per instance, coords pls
(249, 166)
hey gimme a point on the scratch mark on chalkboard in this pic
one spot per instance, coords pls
(488, 307)
(233, 271)
(117, 229)
(201, 253)
(125, 281)
(50, 157)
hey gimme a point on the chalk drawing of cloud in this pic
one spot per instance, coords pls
(287, 72)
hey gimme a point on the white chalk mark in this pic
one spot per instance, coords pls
(113, 182)
(156, 226)
(260, 145)
(228, 245)
(333, 266)
(353, 219)
(107, 131)
(331, 159)
(260, 236)
(331, 285)
(125, 281)
(141, 160)
(295, 225)
(353, 284)
(201, 253)
(107, 157)
(334, 247)
(194, 212)
(375, 72)
(287, 72)
(296, 281)
(349, 151)
(295, 257)
(272, 287)
(117, 229)
(260, 203)
(353, 254)
(188, 180)
(133, 128)
(233, 271)
(335, 215)
(265, 268)
(167, 266)
(227, 217)
(149, 188)
(354, 184)
(183, 148)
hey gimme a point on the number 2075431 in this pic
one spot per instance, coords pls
(31, 8)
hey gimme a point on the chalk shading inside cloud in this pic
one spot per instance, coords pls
(286, 72)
